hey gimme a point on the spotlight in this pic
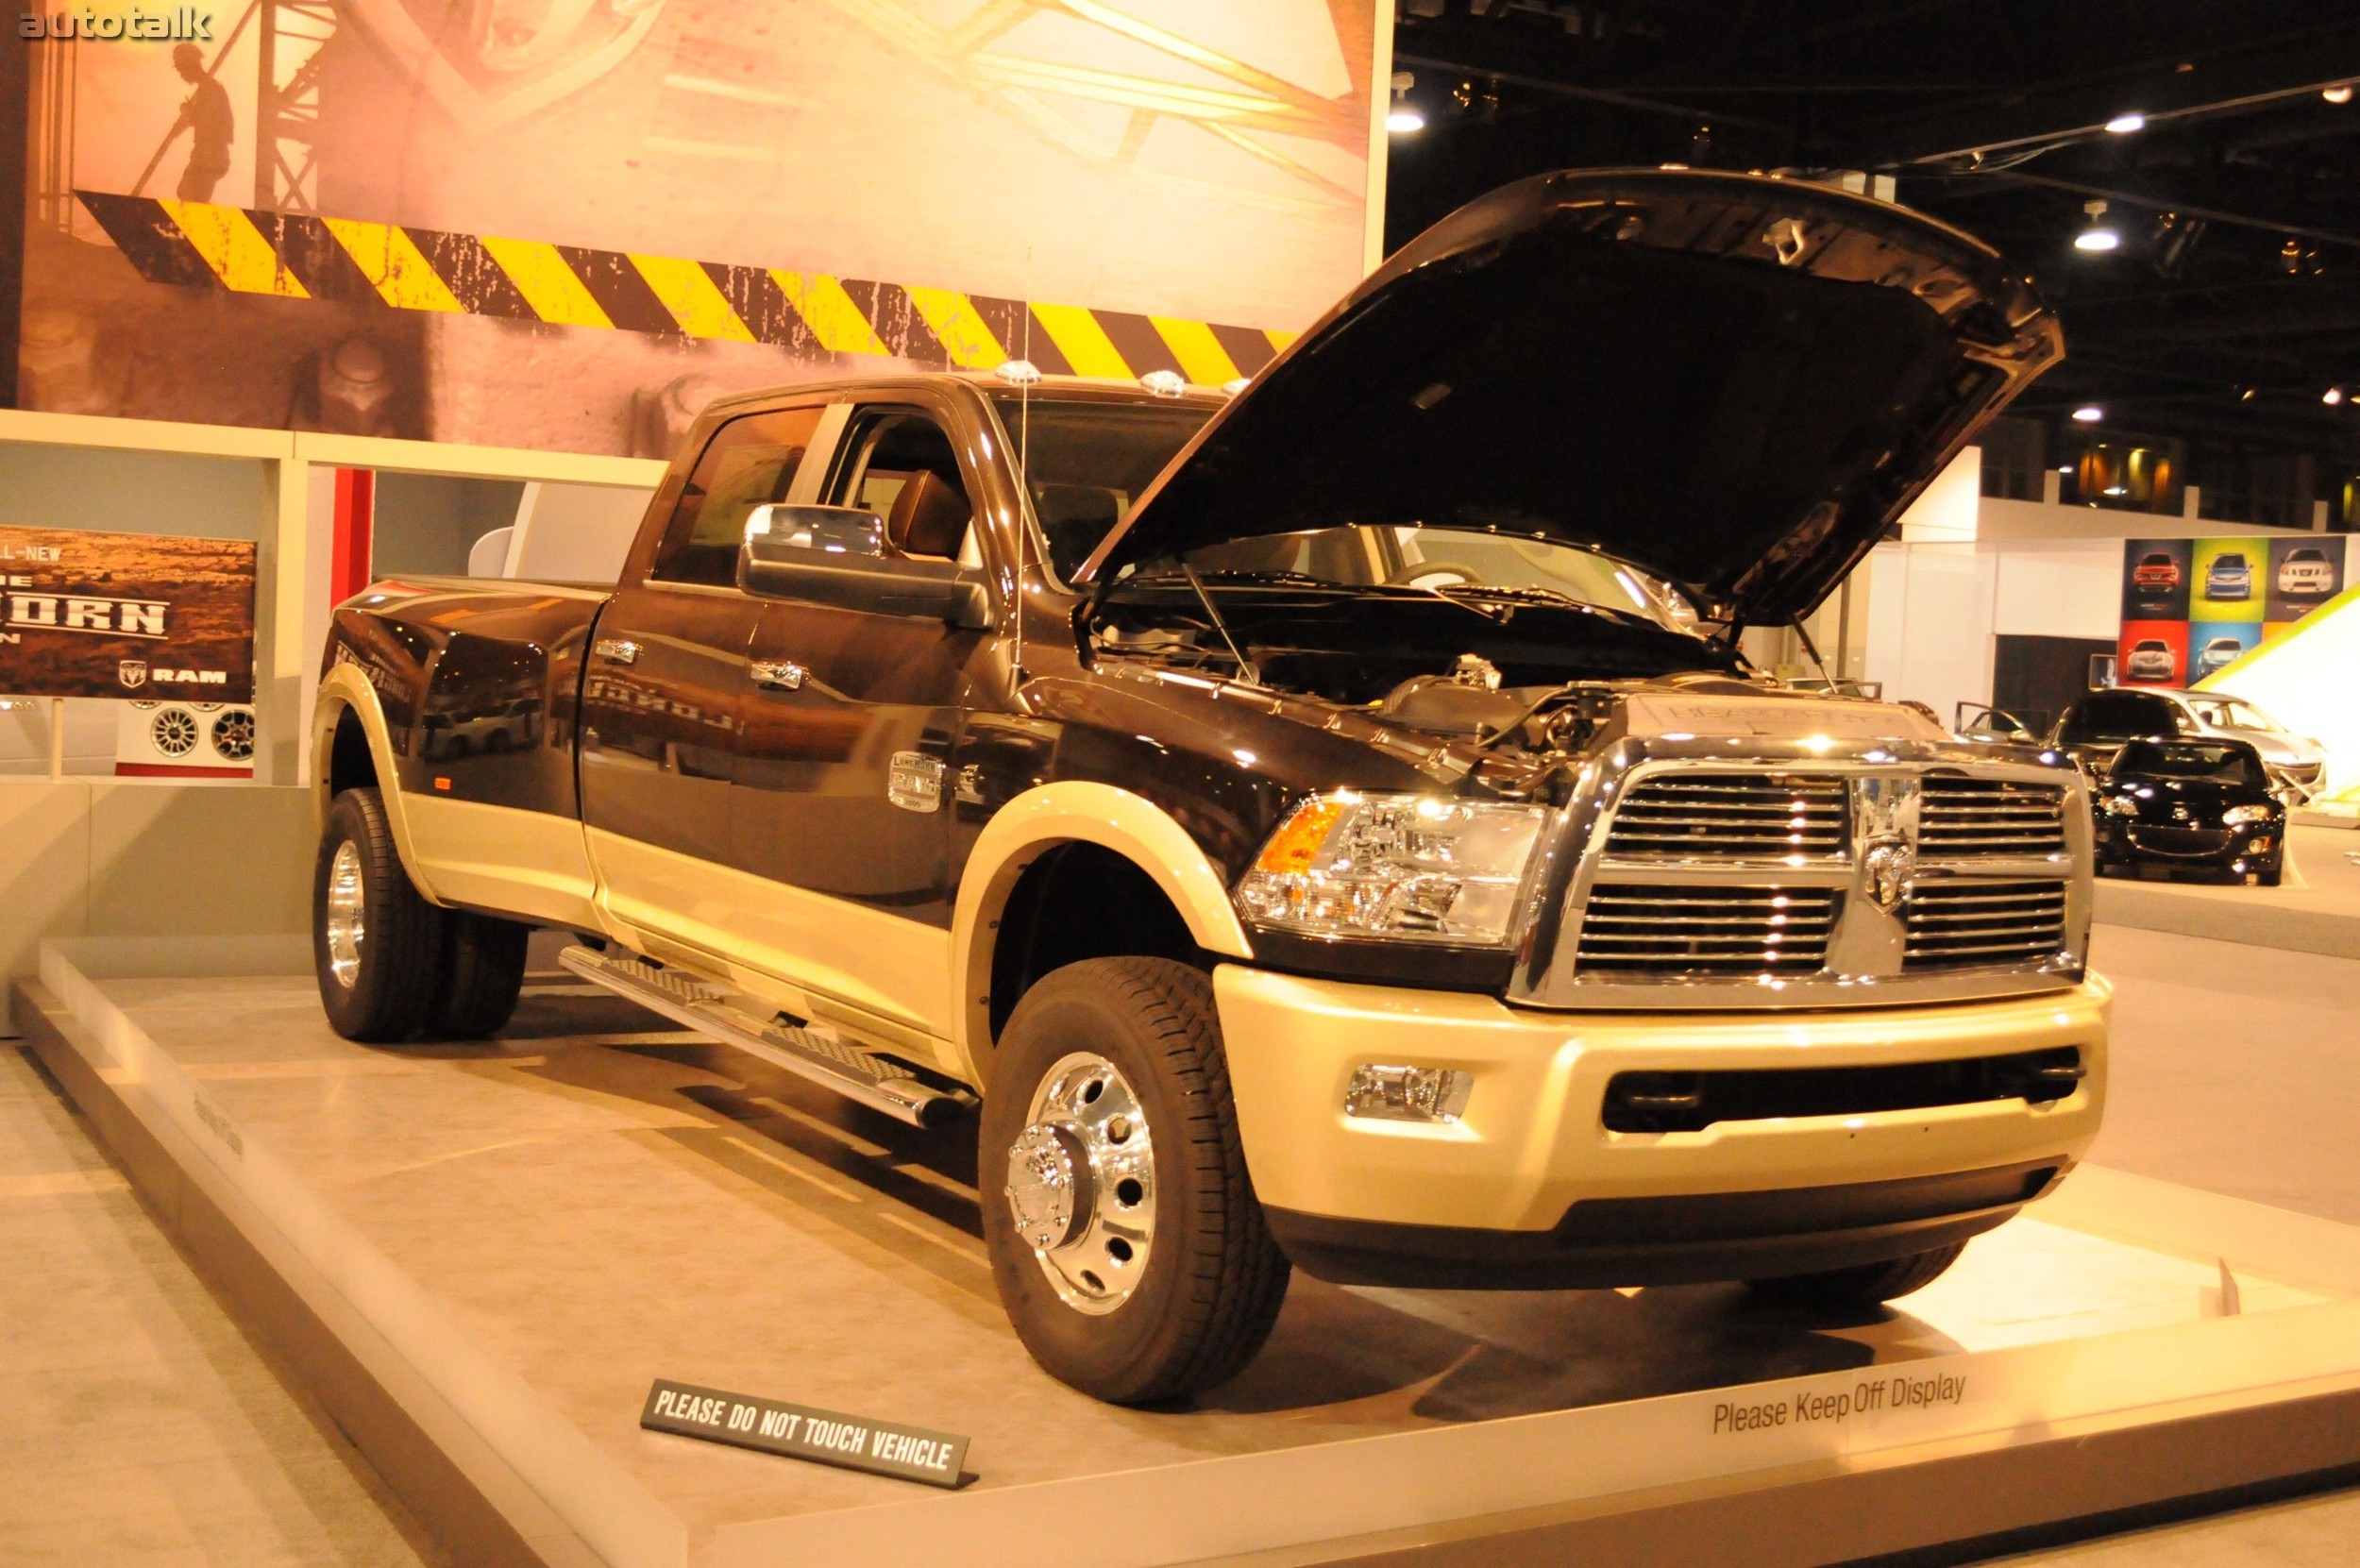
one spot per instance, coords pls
(2127, 122)
(2099, 235)
(1404, 119)
(2339, 94)
(2332, 396)
(2088, 413)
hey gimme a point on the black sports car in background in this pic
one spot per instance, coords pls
(2191, 805)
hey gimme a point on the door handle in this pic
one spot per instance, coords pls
(779, 675)
(616, 650)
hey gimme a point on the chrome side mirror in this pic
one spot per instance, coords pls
(839, 555)
(828, 530)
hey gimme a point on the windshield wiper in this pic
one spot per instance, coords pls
(1190, 575)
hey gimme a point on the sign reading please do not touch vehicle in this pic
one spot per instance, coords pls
(800, 1432)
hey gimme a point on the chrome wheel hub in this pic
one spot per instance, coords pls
(1080, 1184)
(348, 923)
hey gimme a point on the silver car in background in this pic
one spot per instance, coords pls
(2292, 759)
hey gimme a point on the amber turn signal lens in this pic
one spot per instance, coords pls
(1296, 844)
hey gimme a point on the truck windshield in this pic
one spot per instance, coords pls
(1452, 562)
(1088, 460)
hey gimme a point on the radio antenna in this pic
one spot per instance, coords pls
(1022, 374)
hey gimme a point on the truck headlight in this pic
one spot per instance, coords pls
(1393, 867)
(2245, 816)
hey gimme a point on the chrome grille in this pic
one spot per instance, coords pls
(1989, 817)
(1730, 817)
(1956, 925)
(1731, 932)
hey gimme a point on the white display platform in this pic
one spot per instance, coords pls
(2316, 910)
(481, 1257)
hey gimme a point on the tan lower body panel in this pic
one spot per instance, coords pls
(876, 974)
(526, 863)
(1532, 1139)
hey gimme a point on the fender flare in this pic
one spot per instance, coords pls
(1075, 812)
(344, 687)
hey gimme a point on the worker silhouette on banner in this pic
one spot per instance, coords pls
(207, 115)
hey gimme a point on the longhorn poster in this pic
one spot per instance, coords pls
(569, 226)
(136, 615)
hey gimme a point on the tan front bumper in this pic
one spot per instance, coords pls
(1532, 1140)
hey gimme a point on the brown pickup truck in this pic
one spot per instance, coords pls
(1328, 825)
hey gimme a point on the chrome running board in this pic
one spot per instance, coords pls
(880, 1085)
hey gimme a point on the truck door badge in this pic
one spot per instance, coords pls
(913, 782)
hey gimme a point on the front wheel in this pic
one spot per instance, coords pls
(1858, 1288)
(376, 944)
(1126, 1239)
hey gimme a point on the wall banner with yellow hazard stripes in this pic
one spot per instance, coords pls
(812, 315)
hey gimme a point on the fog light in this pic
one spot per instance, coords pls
(2259, 846)
(1408, 1093)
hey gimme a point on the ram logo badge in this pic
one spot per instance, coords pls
(1885, 812)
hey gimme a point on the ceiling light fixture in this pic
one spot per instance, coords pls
(2332, 396)
(2088, 413)
(2129, 120)
(2100, 236)
(2339, 94)
(1404, 119)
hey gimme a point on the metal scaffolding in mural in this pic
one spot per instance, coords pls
(287, 117)
(1245, 109)
(54, 92)
(289, 36)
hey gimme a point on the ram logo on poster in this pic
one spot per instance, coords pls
(85, 614)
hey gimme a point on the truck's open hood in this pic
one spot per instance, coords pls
(1732, 382)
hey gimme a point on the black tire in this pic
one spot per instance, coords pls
(483, 971)
(1858, 1288)
(1212, 1280)
(395, 964)
(2274, 874)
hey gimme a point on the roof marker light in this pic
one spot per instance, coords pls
(2099, 235)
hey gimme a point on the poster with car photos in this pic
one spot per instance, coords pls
(2193, 607)
(2304, 574)
(2155, 579)
(144, 616)
(2153, 653)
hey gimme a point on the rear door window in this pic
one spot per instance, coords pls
(2108, 718)
(748, 463)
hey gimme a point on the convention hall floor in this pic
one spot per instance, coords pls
(140, 1426)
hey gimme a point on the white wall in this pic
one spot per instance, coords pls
(126, 857)
(2057, 588)
(1930, 617)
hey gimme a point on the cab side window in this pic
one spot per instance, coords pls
(748, 463)
(900, 465)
